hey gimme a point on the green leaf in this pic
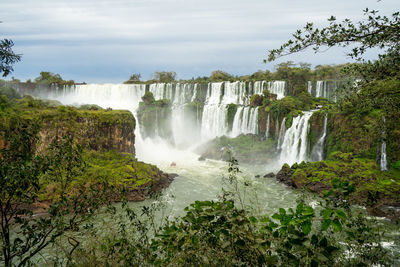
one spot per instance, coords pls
(282, 211)
(325, 224)
(253, 219)
(341, 214)
(326, 213)
(308, 211)
(337, 226)
(306, 227)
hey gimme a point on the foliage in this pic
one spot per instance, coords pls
(297, 77)
(256, 100)
(232, 108)
(154, 116)
(376, 31)
(49, 78)
(134, 78)
(22, 235)
(246, 148)
(222, 233)
(220, 76)
(10, 93)
(371, 187)
(7, 57)
(165, 76)
(148, 98)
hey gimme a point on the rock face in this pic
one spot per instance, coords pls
(156, 185)
(285, 176)
(100, 130)
(107, 138)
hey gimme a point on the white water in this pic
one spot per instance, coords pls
(282, 132)
(318, 149)
(309, 87)
(383, 162)
(198, 180)
(245, 121)
(383, 157)
(294, 145)
(278, 88)
(267, 127)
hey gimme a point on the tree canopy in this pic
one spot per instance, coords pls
(376, 31)
(7, 57)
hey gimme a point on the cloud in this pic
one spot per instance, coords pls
(105, 41)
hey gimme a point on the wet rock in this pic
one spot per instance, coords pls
(285, 176)
(257, 176)
(201, 158)
(269, 175)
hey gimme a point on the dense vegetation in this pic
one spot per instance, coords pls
(223, 232)
(62, 161)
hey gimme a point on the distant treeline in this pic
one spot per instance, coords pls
(294, 74)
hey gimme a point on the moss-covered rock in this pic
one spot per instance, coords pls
(232, 108)
(245, 148)
(372, 188)
(101, 130)
(155, 117)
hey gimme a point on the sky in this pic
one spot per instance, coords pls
(105, 41)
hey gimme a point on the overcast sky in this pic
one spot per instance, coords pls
(100, 41)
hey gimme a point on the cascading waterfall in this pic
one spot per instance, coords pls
(383, 161)
(294, 145)
(157, 89)
(383, 157)
(278, 88)
(245, 121)
(259, 87)
(309, 87)
(209, 121)
(318, 149)
(235, 92)
(282, 132)
(117, 96)
(214, 121)
(267, 127)
(326, 89)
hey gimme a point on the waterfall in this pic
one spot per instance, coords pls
(194, 93)
(203, 124)
(282, 132)
(157, 89)
(294, 145)
(259, 87)
(278, 88)
(245, 121)
(309, 87)
(383, 157)
(235, 93)
(214, 121)
(383, 161)
(267, 128)
(318, 149)
(116, 96)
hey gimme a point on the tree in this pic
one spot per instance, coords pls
(50, 78)
(134, 78)
(220, 76)
(375, 31)
(7, 57)
(23, 170)
(165, 76)
(297, 77)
